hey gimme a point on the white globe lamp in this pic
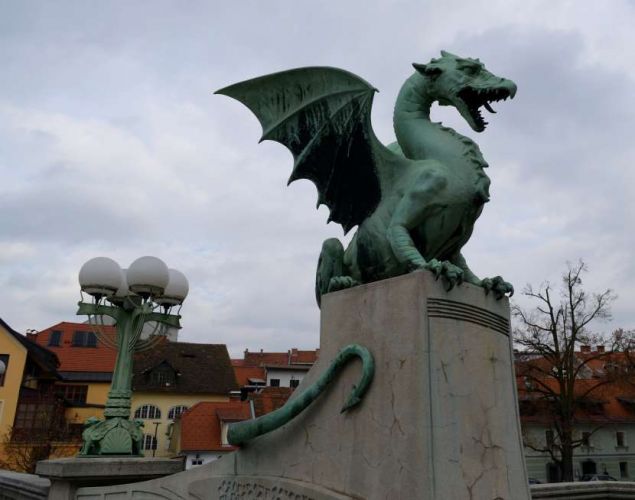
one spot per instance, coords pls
(122, 292)
(148, 276)
(100, 277)
(176, 290)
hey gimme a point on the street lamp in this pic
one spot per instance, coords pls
(145, 292)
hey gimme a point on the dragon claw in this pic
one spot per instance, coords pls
(498, 286)
(341, 282)
(452, 274)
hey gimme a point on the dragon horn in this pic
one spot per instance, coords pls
(426, 69)
(421, 68)
(448, 54)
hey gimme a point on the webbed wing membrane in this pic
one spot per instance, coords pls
(323, 116)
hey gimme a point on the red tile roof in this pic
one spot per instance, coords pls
(304, 357)
(201, 424)
(603, 400)
(79, 359)
(232, 414)
(291, 357)
(261, 358)
(269, 399)
(244, 373)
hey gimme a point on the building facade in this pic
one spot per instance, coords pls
(273, 369)
(32, 424)
(167, 379)
(87, 357)
(173, 377)
(603, 420)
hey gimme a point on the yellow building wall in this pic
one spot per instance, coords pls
(165, 401)
(10, 391)
(96, 395)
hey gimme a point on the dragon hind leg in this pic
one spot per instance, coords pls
(330, 270)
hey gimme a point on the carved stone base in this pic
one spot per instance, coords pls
(69, 474)
(439, 421)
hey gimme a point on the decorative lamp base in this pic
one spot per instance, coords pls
(113, 436)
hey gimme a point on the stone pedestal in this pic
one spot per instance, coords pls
(439, 422)
(69, 474)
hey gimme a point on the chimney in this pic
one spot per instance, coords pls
(600, 349)
(585, 348)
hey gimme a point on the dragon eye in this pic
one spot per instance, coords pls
(471, 70)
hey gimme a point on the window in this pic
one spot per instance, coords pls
(147, 411)
(84, 339)
(55, 338)
(619, 439)
(197, 460)
(37, 415)
(586, 439)
(274, 382)
(162, 376)
(4, 363)
(175, 411)
(589, 467)
(623, 469)
(293, 383)
(73, 393)
(549, 438)
(149, 442)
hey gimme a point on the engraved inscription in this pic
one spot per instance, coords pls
(444, 308)
(232, 489)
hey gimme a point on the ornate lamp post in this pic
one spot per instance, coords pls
(145, 292)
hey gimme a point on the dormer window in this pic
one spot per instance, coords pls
(84, 339)
(162, 375)
(55, 338)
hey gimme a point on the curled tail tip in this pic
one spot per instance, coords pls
(351, 403)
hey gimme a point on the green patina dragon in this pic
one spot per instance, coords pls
(415, 201)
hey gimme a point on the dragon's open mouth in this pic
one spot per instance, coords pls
(474, 98)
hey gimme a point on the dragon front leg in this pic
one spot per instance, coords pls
(497, 285)
(411, 211)
(330, 275)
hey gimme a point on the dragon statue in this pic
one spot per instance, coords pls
(415, 201)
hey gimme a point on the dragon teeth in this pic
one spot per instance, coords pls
(488, 107)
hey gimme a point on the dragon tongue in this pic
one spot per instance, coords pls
(488, 107)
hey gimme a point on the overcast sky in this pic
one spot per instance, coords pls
(112, 143)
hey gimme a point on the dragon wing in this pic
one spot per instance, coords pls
(322, 115)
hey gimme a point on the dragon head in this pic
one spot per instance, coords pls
(465, 84)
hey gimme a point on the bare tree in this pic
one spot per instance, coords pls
(558, 382)
(38, 432)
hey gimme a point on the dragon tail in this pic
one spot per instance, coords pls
(242, 432)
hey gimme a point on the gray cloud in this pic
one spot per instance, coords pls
(111, 143)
